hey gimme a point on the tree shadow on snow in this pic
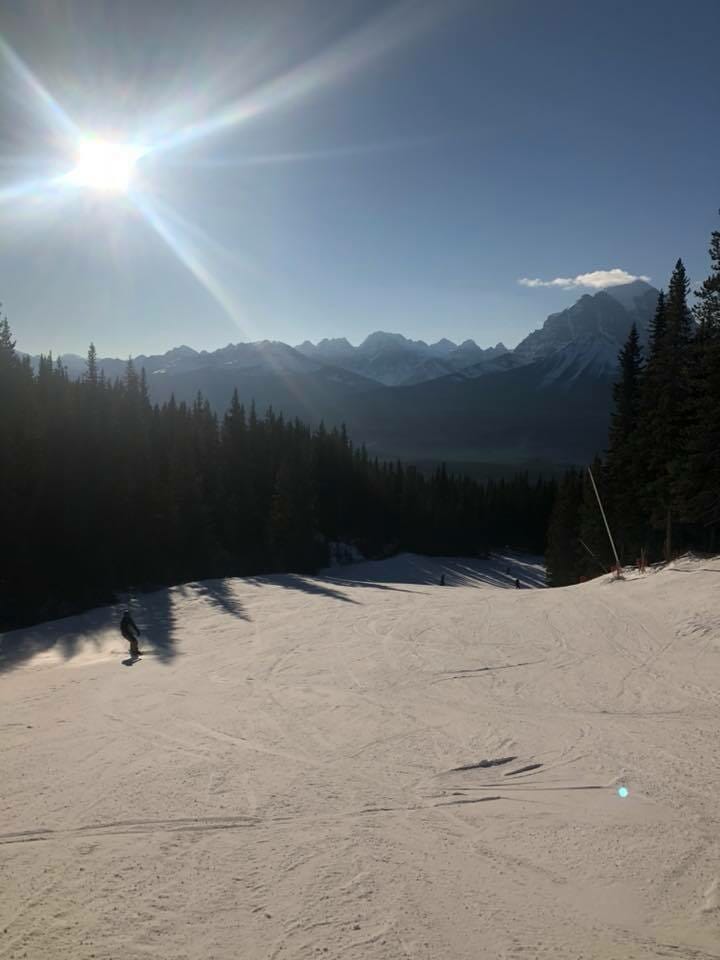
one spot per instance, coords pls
(66, 636)
(294, 581)
(158, 622)
(219, 594)
(496, 571)
(370, 584)
(93, 629)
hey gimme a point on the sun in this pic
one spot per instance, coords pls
(104, 165)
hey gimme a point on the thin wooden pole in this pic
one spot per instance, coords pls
(595, 558)
(607, 526)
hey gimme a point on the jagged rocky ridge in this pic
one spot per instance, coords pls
(546, 399)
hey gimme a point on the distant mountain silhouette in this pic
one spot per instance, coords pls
(392, 359)
(549, 398)
(595, 326)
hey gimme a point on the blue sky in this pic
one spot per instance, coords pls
(333, 168)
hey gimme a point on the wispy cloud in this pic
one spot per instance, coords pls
(596, 280)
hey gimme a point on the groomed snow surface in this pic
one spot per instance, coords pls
(334, 767)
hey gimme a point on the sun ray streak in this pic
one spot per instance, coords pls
(197, 236)
(25, 74)
(382, 34)
(305, 156)
(183, 250)
(169, 226)
(27, 188)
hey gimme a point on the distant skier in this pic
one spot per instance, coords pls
(442, 579)
(517, 583)
(130, 630)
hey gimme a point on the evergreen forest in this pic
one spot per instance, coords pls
(103, 494)
(660, 476)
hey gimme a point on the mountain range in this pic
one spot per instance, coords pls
(394, 360)
(386, 358)
(547, 399)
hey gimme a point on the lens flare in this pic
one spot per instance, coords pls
(103, 165)
(623, 792)
(106, 165)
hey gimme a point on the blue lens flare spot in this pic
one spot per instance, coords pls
(623, 792)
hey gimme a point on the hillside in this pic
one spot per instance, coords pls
(510, 416)
(369, 765)
(517, 415)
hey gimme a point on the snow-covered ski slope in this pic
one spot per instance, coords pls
(295, 770)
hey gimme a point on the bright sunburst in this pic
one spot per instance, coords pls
(104, 165)
(108, 165)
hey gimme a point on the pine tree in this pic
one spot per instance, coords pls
(144, 391)
(563, 556)
(8, 357)
(131, 378)
(707, 307)
(678, 318)
(663, 424)
(657, 325)
(623, 472)
(702, 486)
(91, 375)
(10, 473)
(626, 391)
(681, 371)
(10, 376)
(291, 527)
(597, 555)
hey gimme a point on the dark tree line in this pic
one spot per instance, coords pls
(101, 492)
(660, 479)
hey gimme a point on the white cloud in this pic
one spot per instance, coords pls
(596, 280)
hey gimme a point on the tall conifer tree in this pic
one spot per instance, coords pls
(564, 554)
(623, 460)
(91, 374)
(702, 487)
(666, 407)
(597, 553)
(8, 357)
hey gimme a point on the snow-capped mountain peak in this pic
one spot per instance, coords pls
(394, 359)
(585, 338)
(182, 351)
(380, 341)
(327, 348)
(628, 294)
(596, 325)
(443, 347)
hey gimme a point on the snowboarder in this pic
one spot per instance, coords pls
(130, 630)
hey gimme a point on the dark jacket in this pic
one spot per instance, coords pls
(128, 627)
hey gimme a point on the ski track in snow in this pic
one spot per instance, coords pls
(423, 772)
